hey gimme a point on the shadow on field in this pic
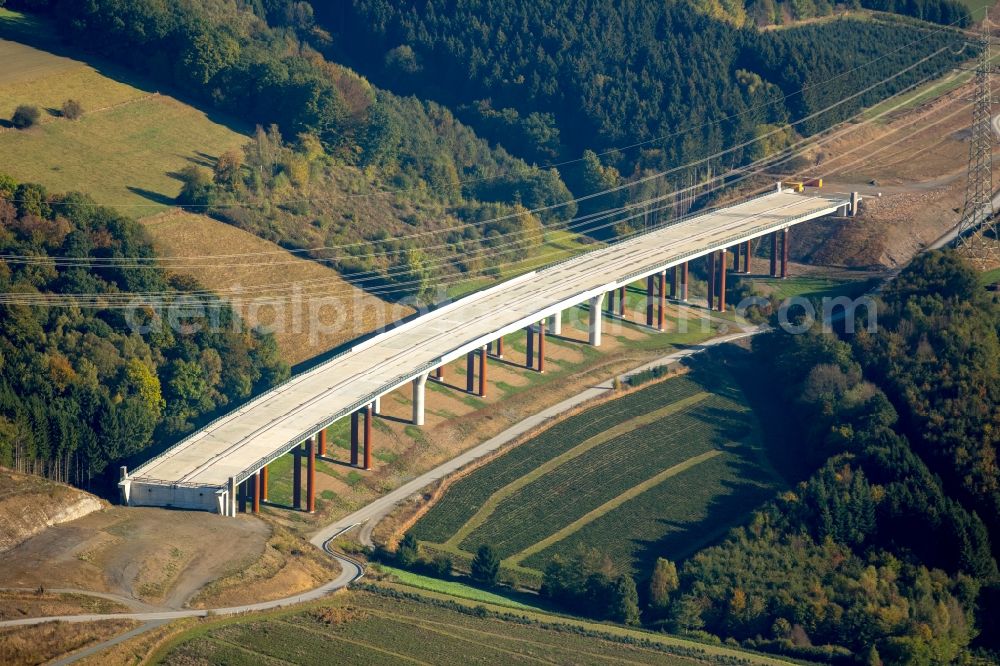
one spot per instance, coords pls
(155, 197)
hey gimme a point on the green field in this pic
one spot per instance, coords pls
(126, 149)
(389, 627)
(658, 472)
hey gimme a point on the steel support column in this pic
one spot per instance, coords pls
(482, 372)
(711, 280)
(784, 254)
(500, 347)
(439, 372)
(310, 475)
(529, 359)
(723, 268)
(470, 372)
(541, 345)
(650, 284)
(297, 476)
(354, 438)
(368, 437)
(661, 300)
(321, 437)
(256, 492)
(774, 254)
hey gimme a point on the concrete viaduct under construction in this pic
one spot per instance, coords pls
(223, 467)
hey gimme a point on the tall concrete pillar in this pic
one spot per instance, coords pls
(470, 372)
(675, 282)
(541, 345)
(595, 319)
(747, 255)
(685, 275)
(263, 483)
(419, 391)
(354, 438)
(310, 475)
(855, 200)
(368, 437)
(650, 283)
(297, 476)
(774, 254)
(500, 347)
(662, 297)
(321, 439)
(611, 303)
(243, 496)
(529, 359)
(711, 280)
(233, 490)
(439, 372)
(482, 372)
(555, 324)
(784, 254)
(621, 301)
(377, 405)
(256, 492)
(723, 268)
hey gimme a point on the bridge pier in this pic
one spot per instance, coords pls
(321, 443)
(529, 358)
(263, 483)
(354, 438)
(784, 254)
(482, 372)
(723, 268)
(662, 300)
(419, 394)
(684, 288)
(310, 475)
(439, 372)
(611, 302)
(377, 405)
(594, 332)
(231, 497)
(470, 372)
(747, 256)
(711, 280)
(774, 254)
(541, 345)
(256, 492)
(650, 299)
(368, 437)
(297, 477)
(555, 323)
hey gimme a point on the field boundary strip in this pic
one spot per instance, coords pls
(352, 641)
(430, 624)
(610, 505)
(491, 504)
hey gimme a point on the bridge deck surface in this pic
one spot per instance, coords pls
(239, 442)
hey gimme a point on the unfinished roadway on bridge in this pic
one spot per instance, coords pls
(205, 470)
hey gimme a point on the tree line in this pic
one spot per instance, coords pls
(550, 80)
(83, 388)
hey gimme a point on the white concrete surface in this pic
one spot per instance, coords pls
(241, 442)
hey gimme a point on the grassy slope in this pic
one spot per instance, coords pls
(129, 142)
(365, 627)
(701, 470)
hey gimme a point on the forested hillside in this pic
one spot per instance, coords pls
(81, 388)
(549, 80)
(337, 162)
(888, 551)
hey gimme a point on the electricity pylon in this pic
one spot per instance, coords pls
(977, 231)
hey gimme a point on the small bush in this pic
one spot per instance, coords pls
(72, 109)
(25, 116)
